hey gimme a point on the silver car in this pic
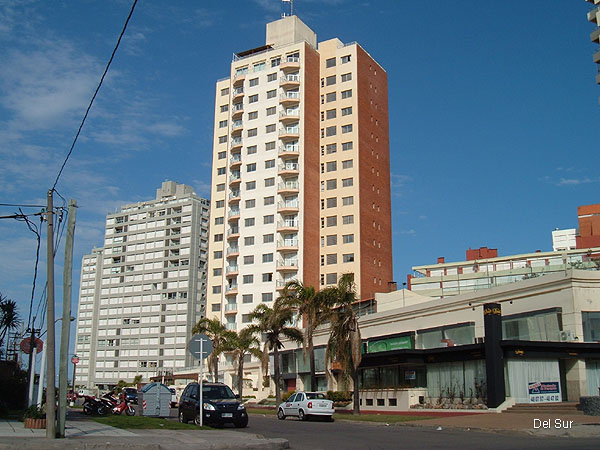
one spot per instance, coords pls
(306, 404)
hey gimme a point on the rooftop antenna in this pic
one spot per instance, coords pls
(291, 2)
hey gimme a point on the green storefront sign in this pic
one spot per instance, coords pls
(386, 345)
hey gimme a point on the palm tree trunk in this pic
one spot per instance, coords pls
(311, 356)
(216, 370)
(277, 374)
(240, 379)
(356, 393)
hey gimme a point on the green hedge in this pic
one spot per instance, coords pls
(339, 396)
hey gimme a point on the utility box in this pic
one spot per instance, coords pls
(154, 400)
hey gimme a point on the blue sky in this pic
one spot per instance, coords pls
(493, 113)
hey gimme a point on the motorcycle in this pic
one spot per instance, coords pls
(92, 405)
(118, 405)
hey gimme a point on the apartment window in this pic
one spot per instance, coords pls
(249, 259)
(332, 202)
(266, 277)
(251, 150)
(272, 110)
(254, 82)
(347, 220)
(272, 77)
(347, 94)
(252, 132)
(330, 62)
(347, 238)
(331, 278)
(330, 97)
(253, 98)
(248, 279)
(346, 77)
(259, 67)
(251, 167)
(253, 115)
(270, 218)
(216, 307)
(250, 203)
(225, 91)
(331, 148)
(348, 257)
(331, 114)
(249, 222)
(272, 93)
(330, 80)
(331, 239)
(216, 289)
(348, 164)
(347, 111)
(220, 204)
(331, 131)
(269, 182)
(332, 258)
(347, 128)
(331, 166)
(267, 257)
(218, 254)
(345, 59)
(331, 184)
(222, 155)
(222, 139)
(247, 298)
(224, 108)
(248, 241)
(217, 272)
(347, 146)
(267, 296)
(220, 187)
(331, 221)
(275, 62)
(219, 220)
(268, 238)
(222, 123)
(270, 128)
(250, 185)
(218, 237)
(221, 171)
(347, 182)
(269, 200)
(270, 145)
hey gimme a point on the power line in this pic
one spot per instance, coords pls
(94, 96)
(22, 206)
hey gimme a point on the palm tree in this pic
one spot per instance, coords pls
(9, 317)
(217, 332)
(312, 305)
(239, 345)
(274, 323)
(344, 345)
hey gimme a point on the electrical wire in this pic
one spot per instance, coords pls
(94, 96)
(22, 206)
(35, 230)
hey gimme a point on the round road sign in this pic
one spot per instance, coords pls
(194, 346)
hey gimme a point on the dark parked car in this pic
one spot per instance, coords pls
(220, 405)
(131, 395)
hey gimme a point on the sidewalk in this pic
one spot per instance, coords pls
(89, 434)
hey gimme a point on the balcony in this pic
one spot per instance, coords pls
(237, 109)
(233, 232)
(235, 178)
(289, 132)
(289, 80)
(236, 142)
(595, 36)
(233, 252)
(237, 127)
(287, 265)
(287, 206)
(593, 15)
(288, 187)
(290, 149)
(289, 97)
(239, 78)
(287, 245)
(237, 93)
(289, 168)
(230, 308)
(287, 225)
(597, 57)
(232, 271)
(233, 214)
(231, 326)
(290, 63)
(289, 115)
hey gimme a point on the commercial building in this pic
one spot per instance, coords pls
(143, 291)
(301, 177)
(594, 17)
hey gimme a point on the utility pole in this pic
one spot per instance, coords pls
(63, 368)
(31, 368)
(51, 388)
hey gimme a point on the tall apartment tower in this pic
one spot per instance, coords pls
(594, 17)
(142, 293)
(301, 176)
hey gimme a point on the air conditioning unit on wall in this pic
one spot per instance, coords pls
(566, 336)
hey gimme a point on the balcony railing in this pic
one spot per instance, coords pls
(291, 59)
(238, 91)
(283, 205)
(236, 125)
(287, 243)
(235, 158)
(287, 224)
(288, 149)
(236, 141)
(290, 113)
(290, 78)
(234, 212)
(231, 287)
(234, 194)
(290, 95)
(289, 166)
(237, 107)
(232, 250)
(234, 176)
(231, 326)
(287, 263)
(289, 130)
(289, 185)
(233, 230)
(232, 269)
(230, 306)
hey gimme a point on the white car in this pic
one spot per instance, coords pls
(305, 404)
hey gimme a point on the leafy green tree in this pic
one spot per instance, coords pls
(9, 317)
(344, 345)
(314, 309)
(239, 345)
(274, 323)
(217, 332)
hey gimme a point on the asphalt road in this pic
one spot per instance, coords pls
(348, 435)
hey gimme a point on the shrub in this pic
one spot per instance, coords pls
(34, 412)
(339, 396)
(286, 395)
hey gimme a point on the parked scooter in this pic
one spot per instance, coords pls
(118, 405)
(92, 405)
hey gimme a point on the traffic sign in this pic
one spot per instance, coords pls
(26, 345)
(75, 359)
(200, 346)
